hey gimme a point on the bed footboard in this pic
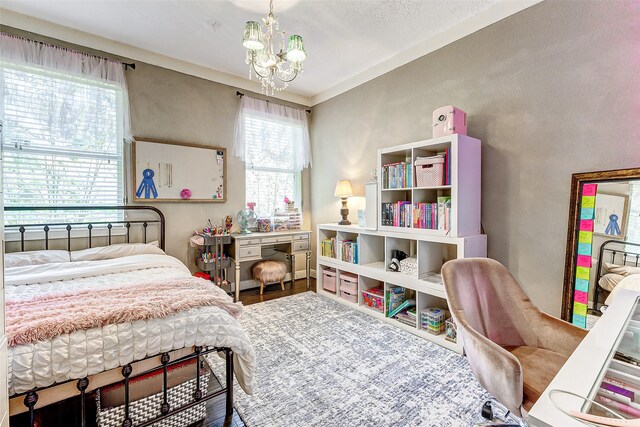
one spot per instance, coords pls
(165, 410)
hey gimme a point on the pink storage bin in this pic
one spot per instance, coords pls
(329, 280)
(349, 296)
(349, 283)
(429, 171)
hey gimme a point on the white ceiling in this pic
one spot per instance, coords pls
(344, 39)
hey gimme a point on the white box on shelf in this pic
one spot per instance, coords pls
(371, 205)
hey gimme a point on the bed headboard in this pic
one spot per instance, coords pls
(618, 252)
(158, 218)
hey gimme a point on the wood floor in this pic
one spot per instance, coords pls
(65, 414)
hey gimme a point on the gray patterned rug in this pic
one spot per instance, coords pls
(321, 363)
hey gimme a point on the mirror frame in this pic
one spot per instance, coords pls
(577, 181)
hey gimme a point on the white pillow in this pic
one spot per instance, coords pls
(624, 270)
(116, 251)
(20, 259)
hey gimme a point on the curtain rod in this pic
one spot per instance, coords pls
(240, 94)
(127, 65)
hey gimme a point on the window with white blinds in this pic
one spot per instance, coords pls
(63, 144)
(270, 163)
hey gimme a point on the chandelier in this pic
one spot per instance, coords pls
(265, 63)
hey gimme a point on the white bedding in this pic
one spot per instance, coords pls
(83, 353)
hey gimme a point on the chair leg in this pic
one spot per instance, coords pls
(282, 284)
(261, 287)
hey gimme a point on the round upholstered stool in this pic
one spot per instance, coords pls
(268, 271)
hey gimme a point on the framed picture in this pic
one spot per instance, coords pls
(610, 215)
(178, 172)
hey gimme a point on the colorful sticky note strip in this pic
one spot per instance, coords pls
(584, 249)
(588, 202)
(582, 273)
(586, 225)
(582, 285)
(581, 297)
(579, 308)
(589, 189)
(579, 320)
(587, 213)
(584, 261)
(585, 237)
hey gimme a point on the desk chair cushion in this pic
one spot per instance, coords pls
(539, 366)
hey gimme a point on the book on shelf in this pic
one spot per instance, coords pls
(444, 212)
(393, 298)
(407, 316)
(348, 251)
(397, 214)
(406, 304)
(328, 248)
(446, 178)
(397, 175)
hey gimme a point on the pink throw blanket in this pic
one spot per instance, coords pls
(47, 316)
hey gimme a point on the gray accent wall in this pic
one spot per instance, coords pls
(550, 91)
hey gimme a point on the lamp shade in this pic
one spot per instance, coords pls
(295, 49)
(343, 188)
(251, 37)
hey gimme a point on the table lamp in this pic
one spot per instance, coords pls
(343, 190)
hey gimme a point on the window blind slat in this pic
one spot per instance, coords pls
(62, 145)
(270, 154)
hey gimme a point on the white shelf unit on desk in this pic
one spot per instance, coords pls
(464, 189)
(374, 256)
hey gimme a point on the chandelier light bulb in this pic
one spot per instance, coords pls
(295, 50)
(251, 39)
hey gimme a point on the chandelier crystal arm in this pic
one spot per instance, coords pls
(291, 79)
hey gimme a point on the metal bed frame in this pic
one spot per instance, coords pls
(613, 249)
(82, 384)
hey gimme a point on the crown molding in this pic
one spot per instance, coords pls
(69, 35)
(497, 12)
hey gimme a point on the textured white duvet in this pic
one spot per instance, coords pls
(83, 353)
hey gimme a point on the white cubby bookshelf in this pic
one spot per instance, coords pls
(431, 251)
(464, 189)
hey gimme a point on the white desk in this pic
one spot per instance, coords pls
(248, 247)
(585, 369)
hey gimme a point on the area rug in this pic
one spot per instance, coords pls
(321, 363)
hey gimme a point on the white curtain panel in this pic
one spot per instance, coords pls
(294, 120)
(23, 52)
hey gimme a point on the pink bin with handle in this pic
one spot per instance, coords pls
(329, 280)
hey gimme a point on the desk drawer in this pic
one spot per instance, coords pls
(301, 245)
(249, 252)
(272, 240)
(248, 242)
(301, 237)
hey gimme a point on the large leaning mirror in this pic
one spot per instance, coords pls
(603, 241)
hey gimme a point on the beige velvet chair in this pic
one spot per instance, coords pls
(514, 349)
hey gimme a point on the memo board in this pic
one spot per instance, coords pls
(201, 169)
